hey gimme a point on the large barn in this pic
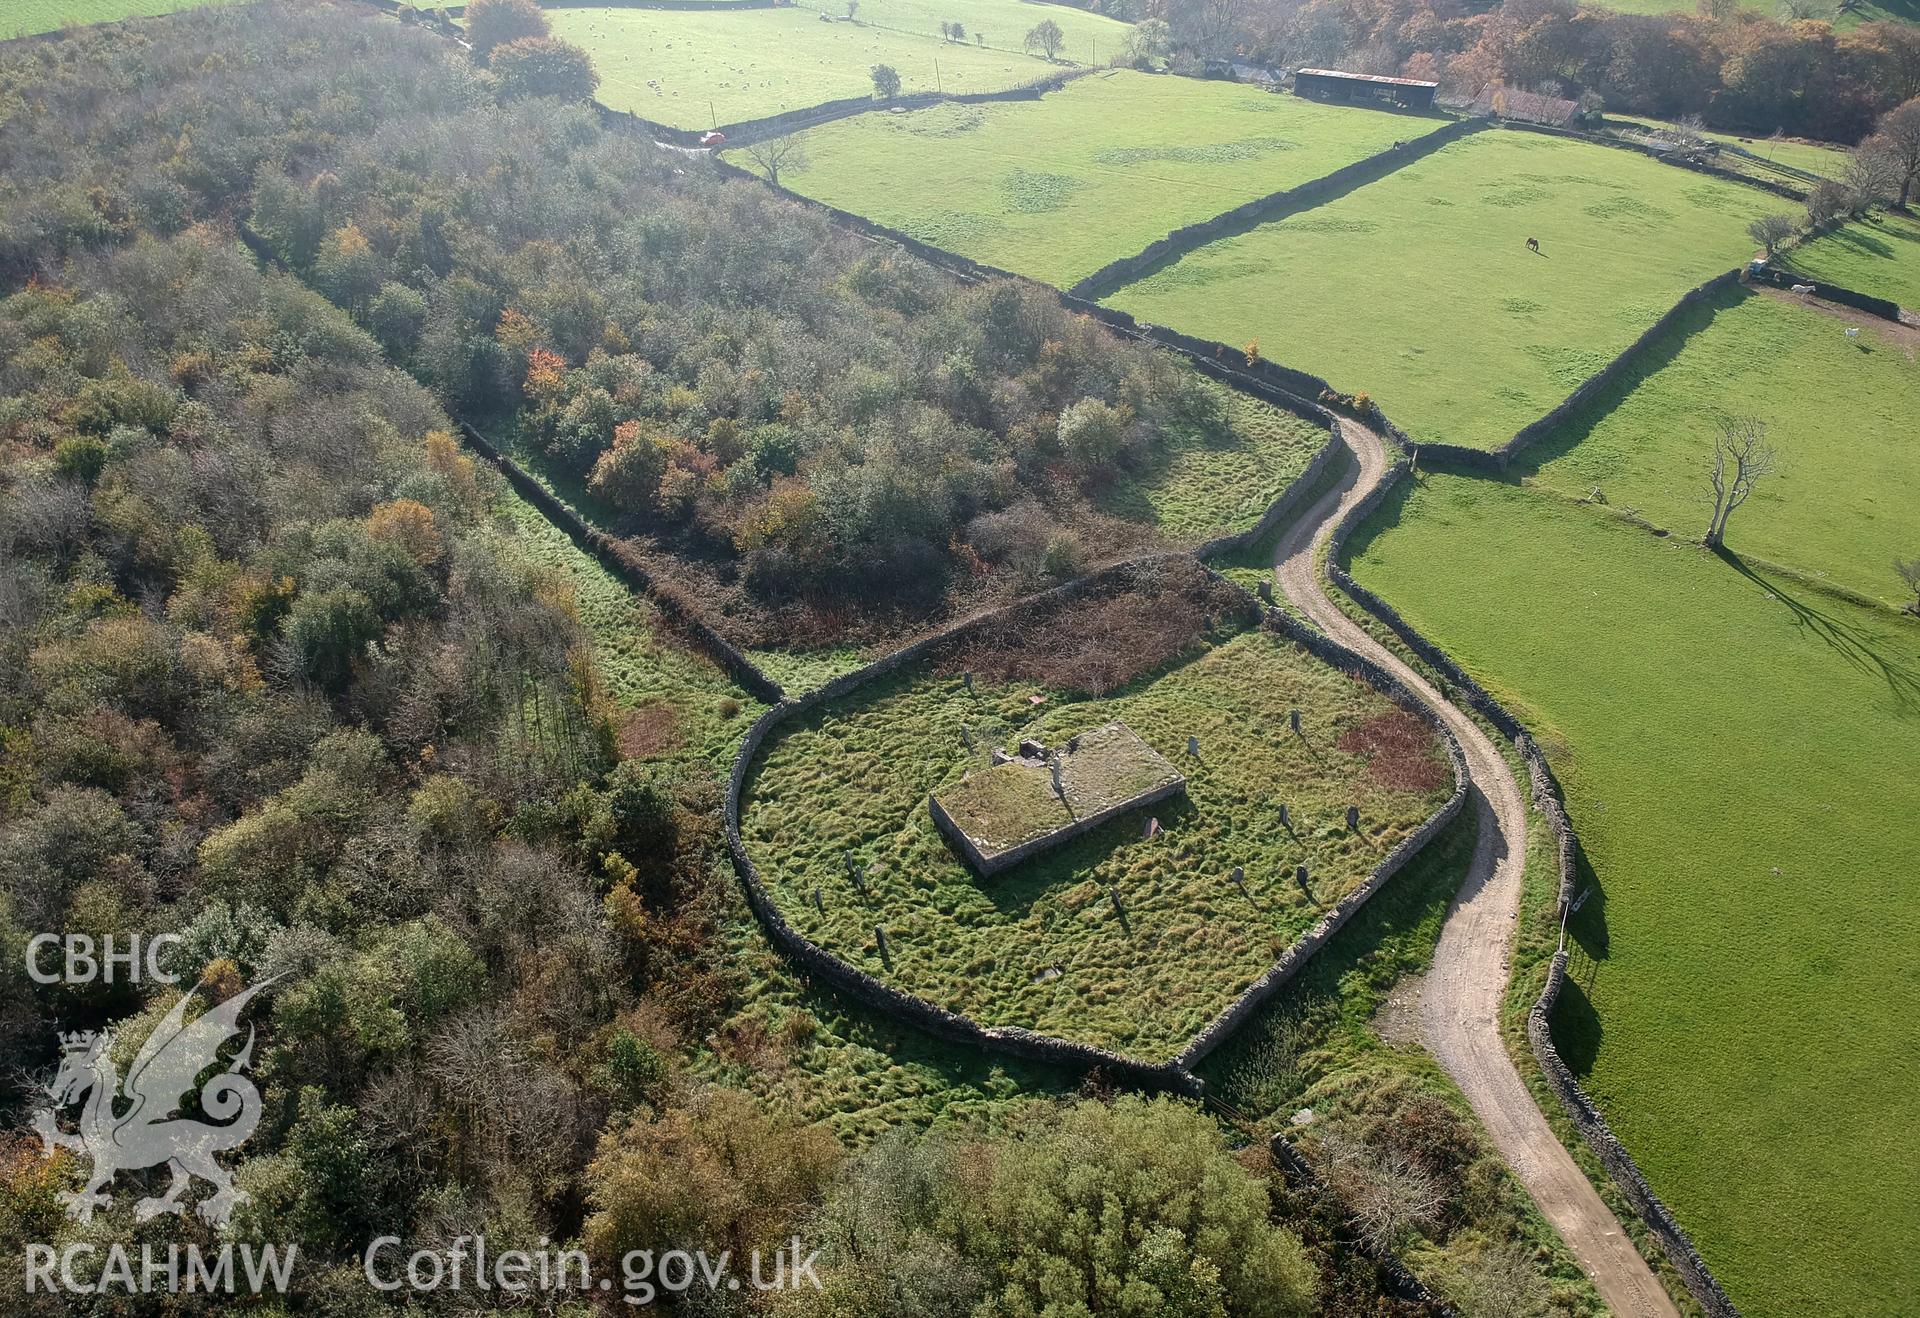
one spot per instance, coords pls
(1333, 85)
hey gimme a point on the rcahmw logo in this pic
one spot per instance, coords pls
(134, 1124)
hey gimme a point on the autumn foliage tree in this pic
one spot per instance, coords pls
(544, 66)
(492, 23)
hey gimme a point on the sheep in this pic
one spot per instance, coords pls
(1853, 331)
(1803, 290)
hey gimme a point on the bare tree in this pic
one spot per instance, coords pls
(1908, 570)
(1872, 175)
(1771, 230)
(1386, 1191)
(1900, 127)
(1741, 456)
(1047, 38)
(778, 153)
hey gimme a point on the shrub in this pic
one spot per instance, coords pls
(544, 66)
(492, 23)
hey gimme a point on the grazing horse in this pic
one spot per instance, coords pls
(1533, 245)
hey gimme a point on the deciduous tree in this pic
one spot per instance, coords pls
(493, 23)
(1046, 37)
(1742, 457)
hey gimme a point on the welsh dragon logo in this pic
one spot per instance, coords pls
(149, 1131)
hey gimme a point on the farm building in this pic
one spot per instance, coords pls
(1333, 85)
(1032, 802)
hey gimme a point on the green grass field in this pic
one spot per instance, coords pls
(1815, 158)
(1040, 945)
(1738, 755)
(1880, 256)
(1000, 24)
(708, 67)
(1420, 290)
(1057, 188)
(19, 18)
(1840, 506)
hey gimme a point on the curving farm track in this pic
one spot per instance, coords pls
(1461, 1002)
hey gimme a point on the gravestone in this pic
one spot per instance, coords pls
(1294, 718)
(1193, 747)
(1151, 828)
(1286, 817)
(1265, 589)
(1353, 818)
(880, 937)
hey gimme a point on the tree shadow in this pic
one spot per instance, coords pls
(1856, 645)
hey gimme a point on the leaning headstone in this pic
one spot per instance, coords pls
(880, 937)
(1193, 747)
(1151, 828)
(1239, 879)
(819, 903)
(966, 679)
(1353, 817)
(1286, 818)
(1300, 877)
(1294, 718)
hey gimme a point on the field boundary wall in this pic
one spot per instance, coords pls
(1551, 804)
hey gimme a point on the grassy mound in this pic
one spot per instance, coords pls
(1420, 290)
(1059, 187)
(1738, 754)
(1044, 945)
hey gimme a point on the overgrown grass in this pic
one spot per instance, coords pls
(1841, 412)
(1880, 255)
(24, 17)
(1419, 288)
(693, 69)
(1043, 945)
(1737, 752)
(1199, 487)
(679, 704)
(1056, 188)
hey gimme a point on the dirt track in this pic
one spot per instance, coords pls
(1460, 1004)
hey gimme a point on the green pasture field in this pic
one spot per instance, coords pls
(684, 706)
(21, 18)
(716, 67)
(1057, 188)
(1879, 255)
(1090, 38)
(1419, 288)
(1737, 750)
(1040, 945)
(1841, 412)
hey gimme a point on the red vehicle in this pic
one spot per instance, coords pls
(714, 138)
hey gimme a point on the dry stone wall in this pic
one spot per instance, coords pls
(1163, 252)
(1551, 805)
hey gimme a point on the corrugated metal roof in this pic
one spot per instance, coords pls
(1366, 77)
